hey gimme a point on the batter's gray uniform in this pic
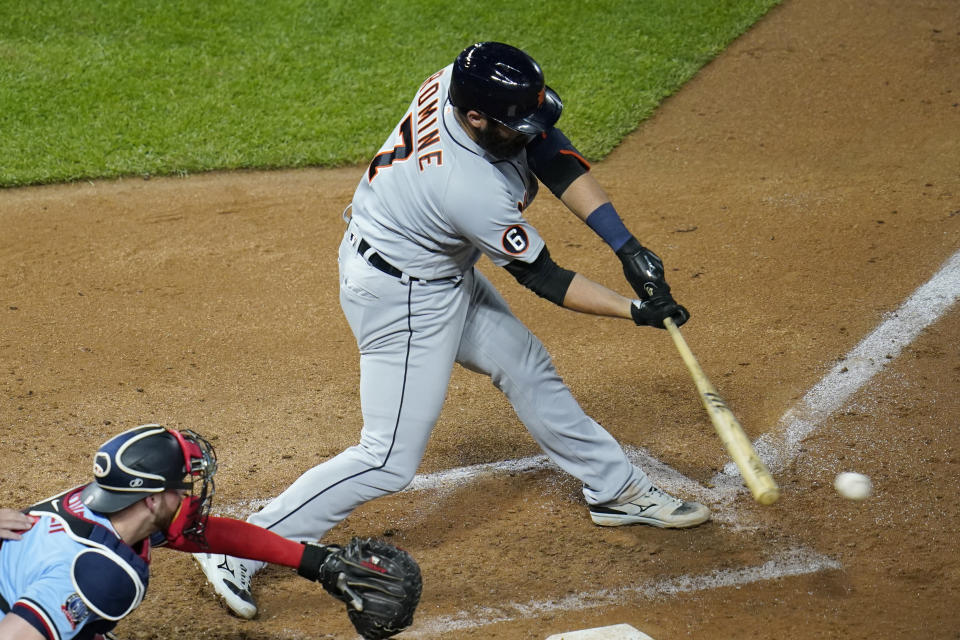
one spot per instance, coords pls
(430, 205)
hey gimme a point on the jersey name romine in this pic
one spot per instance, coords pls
(433, 201)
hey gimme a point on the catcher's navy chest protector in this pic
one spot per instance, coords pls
(109, 576)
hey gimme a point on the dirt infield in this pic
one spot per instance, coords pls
(799, 189)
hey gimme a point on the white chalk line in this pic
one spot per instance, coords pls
(927, 304)
(792, 562)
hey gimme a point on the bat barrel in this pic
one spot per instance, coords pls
(754, 472)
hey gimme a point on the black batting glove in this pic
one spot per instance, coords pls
(643, 269)
(652, 312)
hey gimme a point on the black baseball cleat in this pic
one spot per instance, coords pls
(656, 507)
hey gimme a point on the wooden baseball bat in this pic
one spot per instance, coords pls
(755, 474)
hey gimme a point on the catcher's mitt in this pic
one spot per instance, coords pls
(380, 583)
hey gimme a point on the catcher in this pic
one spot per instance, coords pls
(83, 563)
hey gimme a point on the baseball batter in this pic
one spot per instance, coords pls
(450, 184)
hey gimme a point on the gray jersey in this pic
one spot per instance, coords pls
(433, 200)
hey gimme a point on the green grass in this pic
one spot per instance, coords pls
(105, 88)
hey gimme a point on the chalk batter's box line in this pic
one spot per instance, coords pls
(789, 563)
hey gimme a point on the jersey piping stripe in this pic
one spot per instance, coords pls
(453, 137)
(396, 424)
(51, 629)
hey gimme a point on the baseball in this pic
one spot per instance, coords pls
(853, 486)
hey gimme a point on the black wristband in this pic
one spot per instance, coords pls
(313, 557)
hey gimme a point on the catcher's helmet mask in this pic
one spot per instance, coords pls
(506, 85)
(150, 459)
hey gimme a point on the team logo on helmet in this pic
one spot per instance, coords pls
(101, 465)
(136, 482)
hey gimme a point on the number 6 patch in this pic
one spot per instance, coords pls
(515, 240)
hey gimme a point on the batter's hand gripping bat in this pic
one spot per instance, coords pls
(755, 474)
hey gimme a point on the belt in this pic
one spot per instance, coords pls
(376, 260)
(4, 605)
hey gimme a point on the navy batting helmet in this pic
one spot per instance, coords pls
(146, 460)
(506, 85)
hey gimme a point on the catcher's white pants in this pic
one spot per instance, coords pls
(410, 333)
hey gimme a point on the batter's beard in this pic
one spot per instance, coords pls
(494, 144)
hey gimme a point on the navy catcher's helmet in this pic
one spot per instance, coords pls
(149, 459)
(506, 85)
